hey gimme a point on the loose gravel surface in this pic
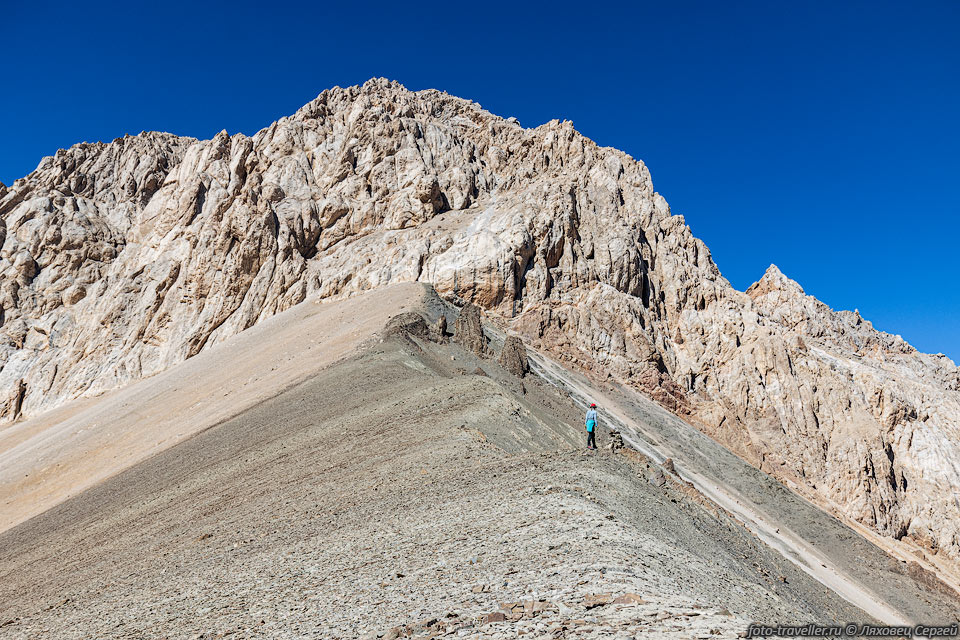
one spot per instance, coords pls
(894, 590)
(47, 459)
(399, 493)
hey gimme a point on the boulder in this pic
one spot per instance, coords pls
(409, 323)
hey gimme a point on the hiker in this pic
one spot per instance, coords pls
(591, 423)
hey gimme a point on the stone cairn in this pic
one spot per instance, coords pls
(616, 441)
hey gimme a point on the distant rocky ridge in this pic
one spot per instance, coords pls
(121, 259)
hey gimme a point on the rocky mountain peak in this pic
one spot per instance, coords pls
(774, 280)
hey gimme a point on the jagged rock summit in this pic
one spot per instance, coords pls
(119, 260)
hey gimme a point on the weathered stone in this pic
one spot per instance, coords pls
(592, 600)
(513, 357)
(408, 323)
(468, 330)
(658, 479)
(73, 295)
(14, 404)
(494, 616)
(629, 598)
(440, 330)
(616, 441)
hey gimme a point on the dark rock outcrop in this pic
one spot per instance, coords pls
(616, 441)
(513, 357)
(408, 323)
(468, 330)
(440, 330)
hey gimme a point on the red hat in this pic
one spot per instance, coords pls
(593, 406)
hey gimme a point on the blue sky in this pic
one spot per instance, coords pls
(820, 136)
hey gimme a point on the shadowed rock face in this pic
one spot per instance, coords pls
(513, 357)
(409, 323)
(468, 331)
(119, 260)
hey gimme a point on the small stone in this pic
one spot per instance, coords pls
(629, 598)
(668, 466)
(597, 600)
(494, 616)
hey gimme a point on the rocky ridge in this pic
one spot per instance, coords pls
(119, 260)
(441, 504)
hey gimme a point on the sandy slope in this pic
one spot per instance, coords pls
(394, 491)
(47, 459)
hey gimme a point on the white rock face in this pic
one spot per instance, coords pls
(119, 260)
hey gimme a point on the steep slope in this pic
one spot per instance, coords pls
(111, 271)
(396, 493)
(46, 459)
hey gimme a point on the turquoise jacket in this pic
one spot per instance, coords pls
(591, 420)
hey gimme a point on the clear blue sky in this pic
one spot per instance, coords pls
(820, 136)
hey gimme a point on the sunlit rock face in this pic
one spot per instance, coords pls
(119, 260)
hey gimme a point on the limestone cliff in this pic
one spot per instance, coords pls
(121, 259)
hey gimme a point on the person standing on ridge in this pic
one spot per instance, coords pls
(591, 423)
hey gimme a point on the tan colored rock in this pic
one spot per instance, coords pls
(592, 600)
(493, 616)
(629, 599)
(74, 294)
(178, 244)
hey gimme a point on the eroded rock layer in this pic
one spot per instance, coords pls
(121, 259)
